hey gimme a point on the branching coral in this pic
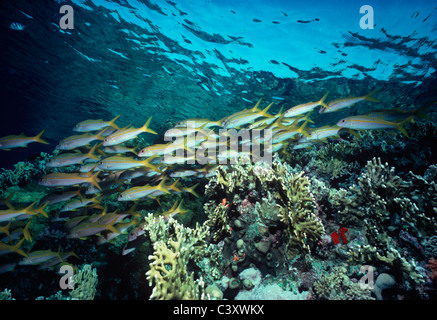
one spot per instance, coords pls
(369, 255)
(335, 168)
(384, 204)
(174, 247)
(337, 286)
(218, 220)
(272, 184)
(24, 172)
(296, 210)
(84, 282)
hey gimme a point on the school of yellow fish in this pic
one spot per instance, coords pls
(104, 165)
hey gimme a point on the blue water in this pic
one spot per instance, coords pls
(206, 59)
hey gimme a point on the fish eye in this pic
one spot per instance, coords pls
(101, 162)
(342, 120)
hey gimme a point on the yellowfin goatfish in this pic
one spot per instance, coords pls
(38, 257)
(305, 107)
(60, 179)
(123, 227)
(95, 125)
(15, 141)
(339, 104)
(54, 198)
(196, 123)
(86, 229)
(399, 114)
(128, 133)
(80, 203)
(77, 141)
(119, 149)
(289, 133)
(323, 133)
(68, 159)
(14, 213)
(165, 148)
(245, 117)
(136, 193)
(5, 249)
(371, 123)
(123, 163)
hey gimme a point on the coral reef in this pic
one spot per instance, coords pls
(174, 246)
(24, 172)
(274, 196)
(84, 283)
(338, 286)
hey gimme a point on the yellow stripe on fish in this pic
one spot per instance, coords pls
(15, 141)
(127, 133)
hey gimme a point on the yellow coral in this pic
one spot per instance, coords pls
(177, 245)
(296, 210)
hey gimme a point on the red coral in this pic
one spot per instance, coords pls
(432, 264)
(335, 237)
(342, 231)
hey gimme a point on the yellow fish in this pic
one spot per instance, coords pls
(15, 141)
(126, 134)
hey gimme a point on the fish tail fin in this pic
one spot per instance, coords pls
(401, 126)
(302, 127)
(284, 149)
(132, 211)
(26, 232)
(173, 186)
(179, 209)
(217, 123)
(192, 190)
(255, 108)
(7, 200)
(147, 163)
(307, 117)
(322, 101)
(99, 136)
(369, 96)
(79, 194)
(277, 122)
(134, 151)
(41, 211)
(420, 112)
(91, 154)
(110, 226)
(99, 149)
(161, 186)
(5, 230)
(16, 248)
(264, 112)
(38, 138)
(74, 254)
(146, 127)
(93, 179)
(112, 122)
(354, 133)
